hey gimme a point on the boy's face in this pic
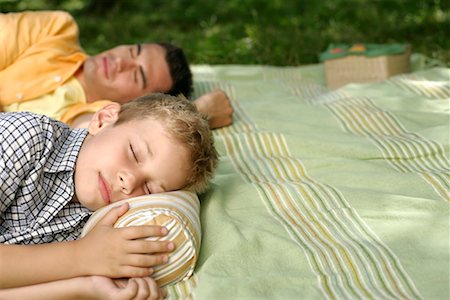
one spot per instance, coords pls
(128, 160)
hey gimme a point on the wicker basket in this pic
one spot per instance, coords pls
(357, 68)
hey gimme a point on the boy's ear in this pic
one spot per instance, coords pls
(108, 115)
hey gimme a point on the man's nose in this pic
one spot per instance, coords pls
(125, 64)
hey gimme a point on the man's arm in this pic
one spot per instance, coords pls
(93, 287)
(217, 107)
(31, 42)
(106, 251)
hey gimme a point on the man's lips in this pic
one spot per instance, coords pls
(104, 188)
(105, 67)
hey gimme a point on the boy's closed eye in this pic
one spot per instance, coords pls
(133, 152)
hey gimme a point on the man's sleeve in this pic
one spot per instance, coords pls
(34, 45)
(26, 33)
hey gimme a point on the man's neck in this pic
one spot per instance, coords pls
(79, 75)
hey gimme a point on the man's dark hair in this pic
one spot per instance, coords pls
(179, 70)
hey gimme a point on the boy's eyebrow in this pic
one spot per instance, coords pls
(141, 70)
(147, 147)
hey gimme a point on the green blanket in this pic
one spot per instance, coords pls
(326, 194)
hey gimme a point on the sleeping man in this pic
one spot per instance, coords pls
(44, 70)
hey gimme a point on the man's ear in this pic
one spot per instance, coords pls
(108, 115)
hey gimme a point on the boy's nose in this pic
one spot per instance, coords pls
(127, 182)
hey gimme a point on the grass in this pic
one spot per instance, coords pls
(272, 32)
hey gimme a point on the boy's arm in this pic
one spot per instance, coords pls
(30, 264)
(93, 287)
(107, 251)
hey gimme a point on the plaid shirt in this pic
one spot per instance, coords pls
(37, 164)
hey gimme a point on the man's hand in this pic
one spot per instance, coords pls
(217, 107)
(121, 252)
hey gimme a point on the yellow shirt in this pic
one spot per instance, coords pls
(39, 53)
(65, 103)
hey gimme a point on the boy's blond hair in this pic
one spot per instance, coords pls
(186, 125)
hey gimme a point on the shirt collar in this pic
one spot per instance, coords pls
(65, 158)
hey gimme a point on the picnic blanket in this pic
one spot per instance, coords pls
(326, 194)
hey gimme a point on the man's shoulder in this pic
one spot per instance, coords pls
(63, 15)
(40, 17)
(51, 14)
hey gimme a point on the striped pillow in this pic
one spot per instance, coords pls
(179, 212)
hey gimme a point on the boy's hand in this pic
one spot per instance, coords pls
(91, 287)
(124, 289)
(121, 252)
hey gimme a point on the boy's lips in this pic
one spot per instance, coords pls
(105, 66)
(104, 188)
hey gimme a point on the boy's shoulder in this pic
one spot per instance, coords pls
(29, 130)
(23, 116)
(25, 120)
(27, 137)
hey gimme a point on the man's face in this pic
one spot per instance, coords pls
(128, 160)
(126, 72)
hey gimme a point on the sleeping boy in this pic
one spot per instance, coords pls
(52, 177)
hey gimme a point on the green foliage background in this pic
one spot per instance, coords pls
(275, 32)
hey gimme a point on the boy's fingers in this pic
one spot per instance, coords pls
(143, 289)
(144, 231)
(162, 293)
(152, 289)
(131, 289)
(147, 260)
(121, 283)
(130, 271)
(148, 247)
(115, 213)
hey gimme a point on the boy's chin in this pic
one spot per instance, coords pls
(92, 205)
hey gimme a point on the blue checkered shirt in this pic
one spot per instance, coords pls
(37, 165)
